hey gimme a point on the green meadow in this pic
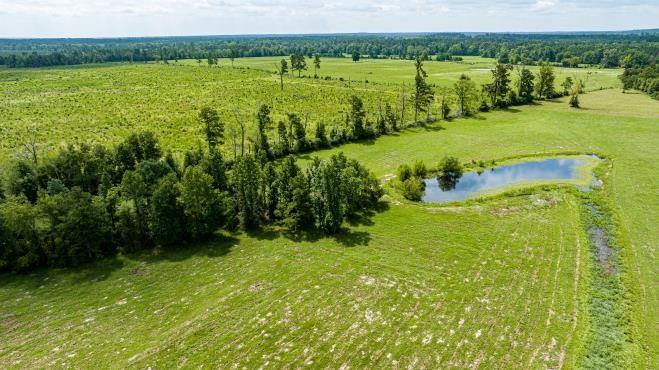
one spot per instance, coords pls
(507, 281)
(104, 103)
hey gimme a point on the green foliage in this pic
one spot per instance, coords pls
(213, 128)
(545, 86)
(298, 63)
(423, 93)
(645, 79)
(22, 180)
(263, 123)
(465, 90)
(21, 239)
(245, 180)
(499, 88)
(201, 203)
(404, 172)
(77, 228)
(356, 117)
(167, 215)
(525, 86)
(413, 189)
(419, 169)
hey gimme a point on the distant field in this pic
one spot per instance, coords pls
(395, 71)
(504, 283)
(104, 103)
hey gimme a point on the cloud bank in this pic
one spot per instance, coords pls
(96, 18)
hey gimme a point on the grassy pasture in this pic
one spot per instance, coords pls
(500, 283)
(104, 103)
(398, 72)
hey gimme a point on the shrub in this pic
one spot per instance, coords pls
(419, 169)
(413, 189)
(450, 167)
(404, 172)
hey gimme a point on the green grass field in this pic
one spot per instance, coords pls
(505, 282)
(401, 72)
(104, 103)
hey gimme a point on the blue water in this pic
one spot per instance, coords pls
(472, 183)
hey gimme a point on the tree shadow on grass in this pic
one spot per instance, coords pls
(346, 236)
(43, 277)
(433, 127)
(217, 246)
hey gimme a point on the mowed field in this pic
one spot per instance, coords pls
(498, 283)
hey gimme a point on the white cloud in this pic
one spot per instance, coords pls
(70, 18)
(542, 5)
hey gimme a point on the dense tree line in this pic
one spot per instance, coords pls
(603, 49)
(88, 202)
(645, 79)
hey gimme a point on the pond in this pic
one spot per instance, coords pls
(473, 183)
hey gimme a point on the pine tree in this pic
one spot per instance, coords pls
(423, 94)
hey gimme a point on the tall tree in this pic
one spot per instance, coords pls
(135, 214)
(357, 117)
(298, 63)
(166, 219)
(202, 204)
(297, 133)
(465, 90)
(263, 122)
(316, 64)
(499, 88)
(213, 128)
(423, 94)
(567, 85)
(282, 69)
(525, 84)
(545, 87)
(246, 179)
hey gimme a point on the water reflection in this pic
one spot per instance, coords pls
(450, 189)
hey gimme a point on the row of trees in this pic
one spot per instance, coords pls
(89, 202)
(294, 134)
(606, 50)
(645, 79)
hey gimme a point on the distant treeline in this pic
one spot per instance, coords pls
(603, 49)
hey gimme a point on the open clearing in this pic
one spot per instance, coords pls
(105, 103)
(498, 284)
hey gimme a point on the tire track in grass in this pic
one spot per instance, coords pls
(550, 309)
(526, 292)
(575, 292)
(501, 236)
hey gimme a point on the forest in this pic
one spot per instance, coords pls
(596, 49)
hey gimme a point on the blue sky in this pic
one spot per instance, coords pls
(100, 18)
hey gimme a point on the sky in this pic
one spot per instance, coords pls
(123, 18)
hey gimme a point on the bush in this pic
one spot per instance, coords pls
(450, 167)
(413, 189)
(404, 172)
(419, 169)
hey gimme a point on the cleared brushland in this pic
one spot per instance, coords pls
(105, 103)
(506, 282)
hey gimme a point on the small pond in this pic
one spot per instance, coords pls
(472, 183)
